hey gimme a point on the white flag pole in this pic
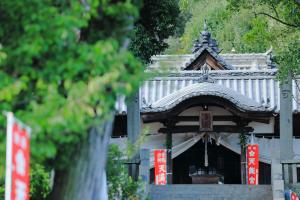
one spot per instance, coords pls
(10, 121)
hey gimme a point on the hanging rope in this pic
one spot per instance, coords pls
(206, 154)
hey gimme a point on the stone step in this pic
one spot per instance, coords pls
(211, 192)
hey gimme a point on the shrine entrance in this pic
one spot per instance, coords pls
(224, 165)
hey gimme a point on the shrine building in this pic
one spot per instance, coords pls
(205, 107)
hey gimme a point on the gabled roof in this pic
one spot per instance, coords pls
(245, 61)
(206, 50)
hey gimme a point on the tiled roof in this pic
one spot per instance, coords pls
(258, 85)
(249, 81)
(246, 61)
(205, 89)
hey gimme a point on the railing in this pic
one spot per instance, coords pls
(291, 174)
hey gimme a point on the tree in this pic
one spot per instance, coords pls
(289, 60)
(229, 28)
(286, 16)
(285, 12)
(62, 66)
(159, 20)
(246, 26)
(61, 74)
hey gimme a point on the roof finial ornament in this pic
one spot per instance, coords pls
(205, 35)
(205, 40)
(206, 43)
(205, 25)
(270, 58)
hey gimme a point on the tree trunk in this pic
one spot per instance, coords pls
(85, 177)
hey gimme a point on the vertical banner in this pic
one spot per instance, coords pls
(160, 166)
(290, 195)
(293, 195)
(252, 164)
(17, 160)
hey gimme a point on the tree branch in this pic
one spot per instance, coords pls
(274, 8)
(279, 20)
(297, 2)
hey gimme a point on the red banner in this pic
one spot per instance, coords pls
(160, 166)
(18, 153)
(293, 195)
(252, 164)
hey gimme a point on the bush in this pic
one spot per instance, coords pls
(39, 183)
(2, 191)
(120, 184)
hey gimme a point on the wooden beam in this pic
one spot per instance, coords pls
(216, 128)
(220, 118)
(215, 118)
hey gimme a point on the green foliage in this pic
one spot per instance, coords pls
(2, 191)
(239, 28)
(39, 182)
(232, 29)
(2, 55)
(63, 64)
(159, 20)
(283, 20)
(120, 184)
(243, 140)
(257, 33)
(246, 26)
(289, 59)
(286, 12)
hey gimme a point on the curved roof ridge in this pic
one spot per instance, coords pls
(242, 102)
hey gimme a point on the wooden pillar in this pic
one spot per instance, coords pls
(169, 152)
(243, 158)
(242, 123)
(133, 130)
(286, 120)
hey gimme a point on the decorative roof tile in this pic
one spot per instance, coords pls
(207, 44)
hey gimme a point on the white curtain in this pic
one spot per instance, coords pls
(183, 141)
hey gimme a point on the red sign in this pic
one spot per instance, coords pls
(293, 195)
(17, 159)
(252, 164)
(160, 166)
